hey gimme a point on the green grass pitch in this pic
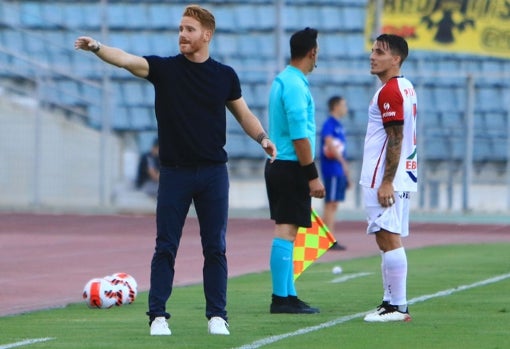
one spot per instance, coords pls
(453, 306)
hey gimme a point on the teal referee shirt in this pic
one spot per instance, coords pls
(291, 112)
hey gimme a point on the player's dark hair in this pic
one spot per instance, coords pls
(301, 42)
(397, 45)
(334, 101)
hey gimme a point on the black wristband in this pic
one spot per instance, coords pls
(261, 136)
(310, 171)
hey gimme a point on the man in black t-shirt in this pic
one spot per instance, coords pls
(192, 91)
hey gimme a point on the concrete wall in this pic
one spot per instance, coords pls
(56, 164)
(49, 160)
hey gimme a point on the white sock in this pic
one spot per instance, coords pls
(386, 294)
(395, 264)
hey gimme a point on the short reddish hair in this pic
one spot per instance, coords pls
(203, 16)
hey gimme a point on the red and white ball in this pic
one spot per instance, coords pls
(126, 285)
(100, 293)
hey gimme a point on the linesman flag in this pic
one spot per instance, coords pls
(311, 243)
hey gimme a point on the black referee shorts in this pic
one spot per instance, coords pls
(288, 193)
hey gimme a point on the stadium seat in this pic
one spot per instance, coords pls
(244, 40)
(331, 18)
(137, 15)
(31, 14)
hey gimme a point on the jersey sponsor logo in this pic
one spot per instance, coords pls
(412, 167)
(388, 113)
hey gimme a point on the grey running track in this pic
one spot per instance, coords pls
(45, 259)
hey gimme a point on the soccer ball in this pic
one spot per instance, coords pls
(100, 293)
(126, 285)
(124, 294)
(337, 270)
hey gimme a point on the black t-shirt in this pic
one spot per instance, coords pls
(190, 103)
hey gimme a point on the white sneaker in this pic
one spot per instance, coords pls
(380, 308)
(389, 313)
(218, 325)
(159, 327)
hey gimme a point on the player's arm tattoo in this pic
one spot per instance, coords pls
(395, 135)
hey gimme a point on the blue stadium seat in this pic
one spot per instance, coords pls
(240, 145)
(159, 16)
(138, 43)
(429, 118)
(488, 97)
(354, 144)
(137, 15)
(245, 17)
(482, 150)
(68, 92)
(120, 118)
(354, 18)
(497, 120)
(83, 16)
(357, 95)
(292, 18)
(261, 94)
(30, 14)
(117, 16)
(9, 15)
(225, 44)
(452, 119)
(490, 66)
(309, 16)
(133, 93)
(244, 40)
(142, 118)
(444, 98)
(52, 13)
(266, 16)
(500, 149)
(259, 45)
(331, 18)
(164, 16)
(14, 40)
(225, 18)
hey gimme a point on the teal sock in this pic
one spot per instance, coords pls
(281, 257)
(291, 288)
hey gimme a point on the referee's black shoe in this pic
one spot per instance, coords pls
(290, 305)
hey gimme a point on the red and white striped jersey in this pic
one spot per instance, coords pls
(395, 103)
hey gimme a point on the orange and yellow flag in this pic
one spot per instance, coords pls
(311, 243)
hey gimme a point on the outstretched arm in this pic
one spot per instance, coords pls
(251, 125)
(136, 65)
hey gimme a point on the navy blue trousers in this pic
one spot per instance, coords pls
(207, 187)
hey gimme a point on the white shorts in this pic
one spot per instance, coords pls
(394, 219)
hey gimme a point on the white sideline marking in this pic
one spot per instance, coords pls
(268, 340)
(348, 277)
(25, 342)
